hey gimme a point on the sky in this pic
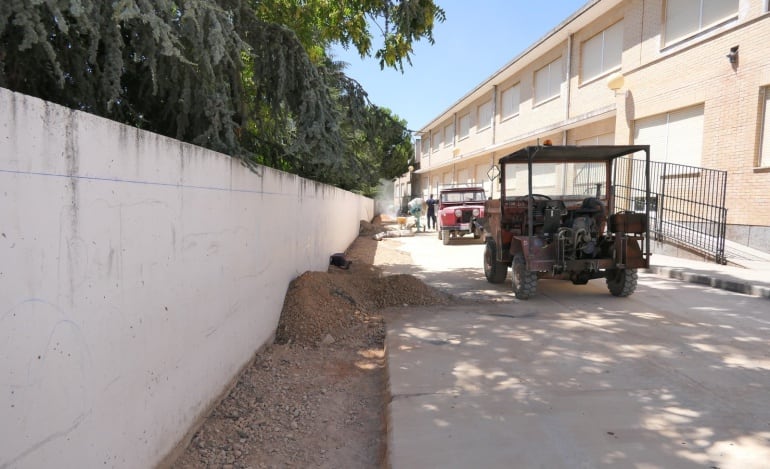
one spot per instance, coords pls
(477, 39)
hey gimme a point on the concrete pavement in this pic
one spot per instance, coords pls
(672, 376)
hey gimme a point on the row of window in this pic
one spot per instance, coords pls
(676, 136)
(601, 54)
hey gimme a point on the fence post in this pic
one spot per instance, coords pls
(661, 202)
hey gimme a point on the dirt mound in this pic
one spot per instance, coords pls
(369, 229)
(316, 397)
(335, 305)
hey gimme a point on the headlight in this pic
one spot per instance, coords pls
(475, 212)
(459, 213)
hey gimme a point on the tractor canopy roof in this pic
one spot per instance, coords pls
(572, 153)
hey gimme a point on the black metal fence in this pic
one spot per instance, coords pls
(686, 203)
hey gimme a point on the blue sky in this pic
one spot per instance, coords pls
(477, 39)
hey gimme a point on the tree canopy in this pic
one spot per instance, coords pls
(251, 78)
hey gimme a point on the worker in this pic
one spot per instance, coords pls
(415, 209)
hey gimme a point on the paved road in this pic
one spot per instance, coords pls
(676, 376)
(457, 268)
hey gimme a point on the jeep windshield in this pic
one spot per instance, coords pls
(460, 197)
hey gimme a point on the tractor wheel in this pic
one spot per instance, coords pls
(622, 282)
(445, 237)
(494, 271)
(524, 282)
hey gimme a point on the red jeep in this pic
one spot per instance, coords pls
(460, 211)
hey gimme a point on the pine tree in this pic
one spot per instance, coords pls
(248, 78)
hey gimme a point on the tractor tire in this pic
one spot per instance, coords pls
(524, 282)
(445, 236)
(622, 282)
(494, 271)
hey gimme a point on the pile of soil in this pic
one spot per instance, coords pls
(317, 396)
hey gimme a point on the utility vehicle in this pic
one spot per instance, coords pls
(459, 211)
(565, 212)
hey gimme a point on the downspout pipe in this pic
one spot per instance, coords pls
(454, 130)
(568, 94)
(494, 114)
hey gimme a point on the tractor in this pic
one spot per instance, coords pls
(567, 213)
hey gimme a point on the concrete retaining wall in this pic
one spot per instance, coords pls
(138, 275)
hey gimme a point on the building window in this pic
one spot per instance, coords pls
(425, 141)
(602, 53)
(485, 116)
(603, 139)
(548, 81)
(510, 101)
(436, 141)
(764, 149)
(674, 137)
(687, 17)
(449, 135)
(465, 126)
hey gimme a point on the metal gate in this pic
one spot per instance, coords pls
(687, 203)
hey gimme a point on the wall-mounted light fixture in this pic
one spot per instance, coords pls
(733, 55)
(615, 82)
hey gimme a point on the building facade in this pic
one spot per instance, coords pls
(691, 78)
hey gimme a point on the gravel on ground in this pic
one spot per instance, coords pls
(316, 397)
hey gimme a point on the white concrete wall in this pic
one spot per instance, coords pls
(138, 275)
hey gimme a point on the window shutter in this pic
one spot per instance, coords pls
(765, 148)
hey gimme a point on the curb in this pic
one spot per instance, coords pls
(743, 287)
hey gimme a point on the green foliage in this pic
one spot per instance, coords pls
(247, 77)
(153, 64)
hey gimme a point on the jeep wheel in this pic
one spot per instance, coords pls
(445, 236)
(622, 282)
(494, 271)
(524, 282)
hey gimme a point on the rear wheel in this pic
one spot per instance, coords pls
(622, 282)
(494, 271)
(524, 282)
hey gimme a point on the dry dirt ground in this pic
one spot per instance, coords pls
(316, 397)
